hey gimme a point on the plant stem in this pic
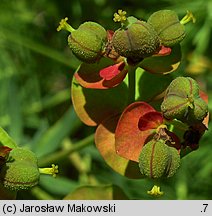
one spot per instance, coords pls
(131, 84)
(64, 153)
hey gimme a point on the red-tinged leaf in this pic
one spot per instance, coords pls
(110, 72)
(164, 51)
(4, 151)
(204, 96)
(110, 34)
(105, 143)
(163, 64)
(102, 75)
(150, 120)
(94, 105)
(129, 139)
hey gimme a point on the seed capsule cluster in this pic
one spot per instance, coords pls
(21, 170)
(134, 40)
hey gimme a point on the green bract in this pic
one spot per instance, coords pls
(20, 171)
(167, 25)
(182, 101)
(137, 41)
(87, 42)
(158, 160)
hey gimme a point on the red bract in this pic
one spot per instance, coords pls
(150, 120)
(4, 152)
(134, 128)
(102, 75)
(105, 143)
(94, 105)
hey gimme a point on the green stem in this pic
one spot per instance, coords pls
(131, 84)
(64, 153)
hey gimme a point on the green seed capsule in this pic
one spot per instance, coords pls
(22, 154)
(174, 162)
(95, 28)
(20, 171)
(19, 175)
(182, 101)
(199, 111)
(138, 41)
(158, 160)
(167, 25)
(87, 42)
(183, 86)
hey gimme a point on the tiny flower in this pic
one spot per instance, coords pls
(155, 191)
(50, 171)
(64, 25)
(187, 18)
(120, 16)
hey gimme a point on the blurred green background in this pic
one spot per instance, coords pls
(36, 67)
